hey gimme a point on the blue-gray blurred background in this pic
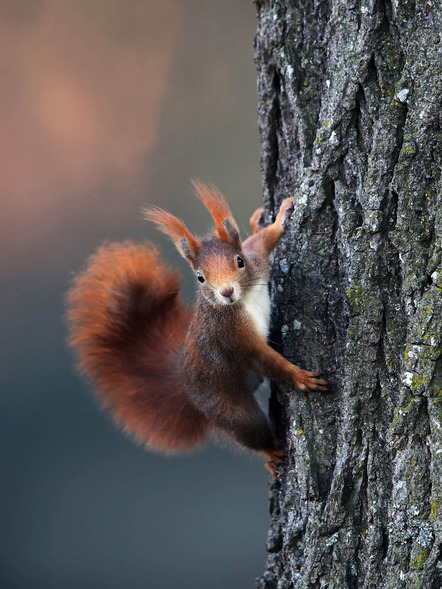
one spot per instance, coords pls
(108, 106)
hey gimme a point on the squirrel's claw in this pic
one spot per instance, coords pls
(270, 466)
(287, 208)
(308, 381)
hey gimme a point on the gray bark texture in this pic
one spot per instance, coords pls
(350, 103)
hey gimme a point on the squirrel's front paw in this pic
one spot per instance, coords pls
(286, 209)
(309, 381)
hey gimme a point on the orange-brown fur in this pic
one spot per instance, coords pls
(169, 375)
(214, 201)
(176, 229)
(128, 324)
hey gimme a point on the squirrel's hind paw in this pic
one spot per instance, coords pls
(274, 460)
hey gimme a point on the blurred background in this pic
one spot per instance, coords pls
(108, 106)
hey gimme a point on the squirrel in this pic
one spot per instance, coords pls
(172, 376)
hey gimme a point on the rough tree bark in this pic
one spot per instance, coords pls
(350, 102)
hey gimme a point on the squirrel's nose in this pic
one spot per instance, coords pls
(227, 292)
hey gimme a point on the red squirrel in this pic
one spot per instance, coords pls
(171, 376)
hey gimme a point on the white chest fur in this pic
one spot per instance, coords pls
(257, 304)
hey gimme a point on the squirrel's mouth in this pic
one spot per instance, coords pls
(227, 300)
(228, 295)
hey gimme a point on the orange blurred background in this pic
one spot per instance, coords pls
(107, 106)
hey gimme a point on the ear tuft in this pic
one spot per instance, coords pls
(214, 201)
(187, 245)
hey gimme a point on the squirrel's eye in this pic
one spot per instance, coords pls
(240, 262)
(200, 277)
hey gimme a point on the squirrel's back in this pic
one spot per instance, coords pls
(128, 325)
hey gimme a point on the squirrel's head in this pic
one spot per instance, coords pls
(223, 271)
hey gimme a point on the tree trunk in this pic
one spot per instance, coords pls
(350, 102)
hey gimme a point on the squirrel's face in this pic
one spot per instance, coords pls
(224, 274)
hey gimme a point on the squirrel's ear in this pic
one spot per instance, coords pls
(187, 245)
(213, 200)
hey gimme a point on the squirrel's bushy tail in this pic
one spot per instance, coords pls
(127, 325)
